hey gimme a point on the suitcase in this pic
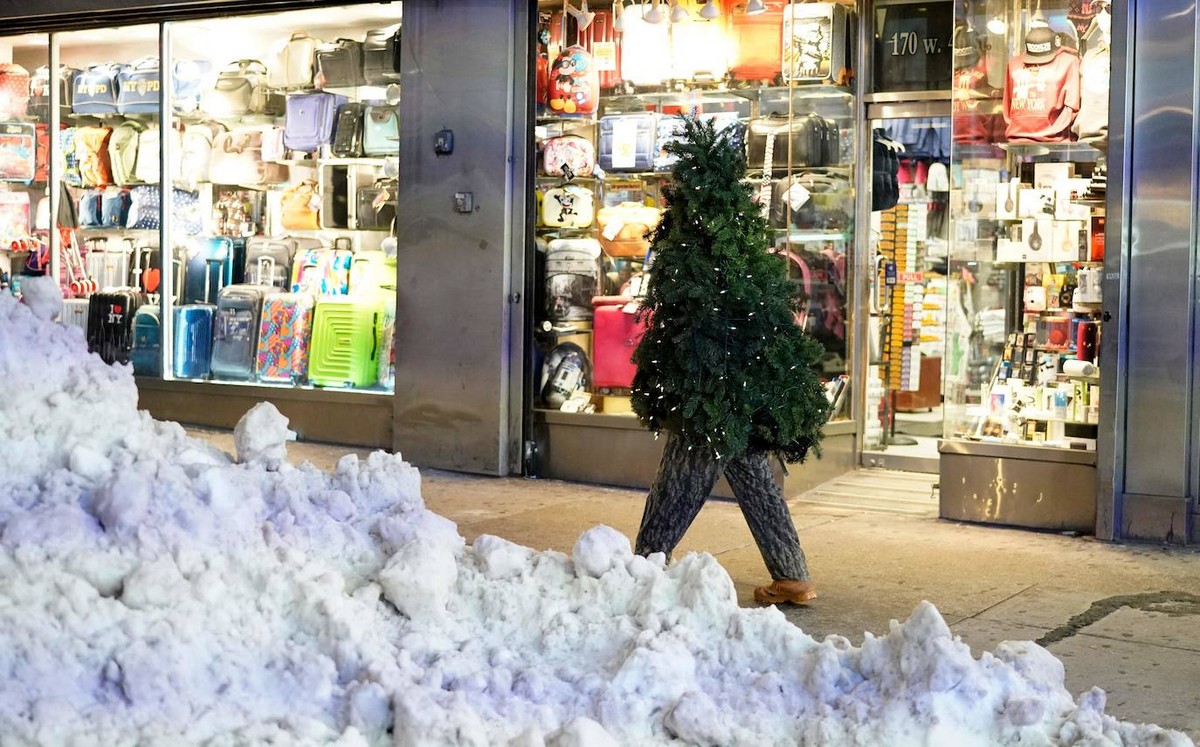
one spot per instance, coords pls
(381, 57)
(323, 271)
(645, 48)
(375, 206)
(568, 206)
(284, 334)
(568, 156)
(75, 313)
(110, 323)
(269, 260)
(599, 39)
(387, 344)
(108, 267)
(146, 355)
(816, 47)
(372, 271)
(347, 132)
(700, 46)
(235, 331)
(339, 64)
(310, 118)
(208, 267)
(192, 352)
(574, 82)
(627, 141)
(295, 64)
(572, 278)
(39, 93)
(345, 341)
(18, 151)
(617, 329)
(756, 43)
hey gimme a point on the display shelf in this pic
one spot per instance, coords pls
(1071, 151)
(799, 236)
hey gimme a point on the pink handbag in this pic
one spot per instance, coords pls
(569, 156)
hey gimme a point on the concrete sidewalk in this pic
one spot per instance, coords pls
(1125, 618)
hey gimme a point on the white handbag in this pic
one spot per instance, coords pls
(293, 68)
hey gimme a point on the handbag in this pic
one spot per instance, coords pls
(381, 130)
(237, 159)
(771, 137)
(381, 57)
(818, 202)
(339, 64)
(301, 207)
(94, 89)
(376, 206)
(138, 85)
(310, 118)
(293, 70)
(241, 89)
(196, 148)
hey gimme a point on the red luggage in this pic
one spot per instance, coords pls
(600, 39)
(616, 330)
(758, 43)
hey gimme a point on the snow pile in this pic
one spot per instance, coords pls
(152, 591)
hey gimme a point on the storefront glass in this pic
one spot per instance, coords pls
(227, 217)
(1026, 207)
(608, 99)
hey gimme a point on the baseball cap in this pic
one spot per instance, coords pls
(966, 47)
(1041, 44)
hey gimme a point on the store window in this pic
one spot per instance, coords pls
(229, 217)
(913, 46)
(24, 166)
(1027, 224)
(608, 98)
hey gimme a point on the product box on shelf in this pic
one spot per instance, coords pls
(815, 42)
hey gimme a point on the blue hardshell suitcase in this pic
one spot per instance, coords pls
(146, 355)
(627, 141)
(235, 331)
(192, 357)
(208, 268)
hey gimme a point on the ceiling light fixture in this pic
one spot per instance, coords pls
(679, 13)
(755, 7)
(997, 25)
(583, 17)
(710, 10)
(619, 16)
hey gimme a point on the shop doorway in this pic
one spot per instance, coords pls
(907, 293)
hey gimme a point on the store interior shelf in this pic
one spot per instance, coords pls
(798, 235)
(1065, 151)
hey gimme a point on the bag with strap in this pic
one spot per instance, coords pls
(91, 150)
(300, 209)
(189, 79)
(381, 57)
(241, 89)
(138, 86)
(310, 118)
(123, 152)
(237, 159)
(381, 130)
(196, 149)
(294, 66)
(339, 64)
(94, 89)
(39, 92)
(376, 206)
(771, 138)
(14, 91)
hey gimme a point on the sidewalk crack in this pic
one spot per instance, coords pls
(1183, 603)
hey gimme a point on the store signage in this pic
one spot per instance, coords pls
(914, 46)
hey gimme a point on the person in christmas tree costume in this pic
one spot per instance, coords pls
(723, 368)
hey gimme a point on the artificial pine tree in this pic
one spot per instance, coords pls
(723, 362)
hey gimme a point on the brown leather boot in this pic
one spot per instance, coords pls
(785, 590)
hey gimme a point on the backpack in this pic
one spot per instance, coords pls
(69, 164)
(574, 82)
(823, 283)
(14, 91)
(91, 150)
(123, 152)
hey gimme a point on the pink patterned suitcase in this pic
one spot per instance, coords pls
(283, 337)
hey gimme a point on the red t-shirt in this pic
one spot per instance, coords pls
(976, 107)
(1040, 101)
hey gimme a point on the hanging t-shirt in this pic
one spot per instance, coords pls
(1040, 100)
(976, 107)
(1091, 125)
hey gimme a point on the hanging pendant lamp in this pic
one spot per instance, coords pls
(654, 15)
(619, 16)
(679, 13)
(710, 10)
(755, 7)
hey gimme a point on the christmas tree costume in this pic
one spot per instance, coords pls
(723, 368)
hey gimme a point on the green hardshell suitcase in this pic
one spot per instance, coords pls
(346, 341)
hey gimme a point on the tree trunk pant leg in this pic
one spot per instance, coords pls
(685, 480)
(765, 508)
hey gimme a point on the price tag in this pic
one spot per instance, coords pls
(604, 56)
(798, 196)
(624, 140)
(613, 230)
